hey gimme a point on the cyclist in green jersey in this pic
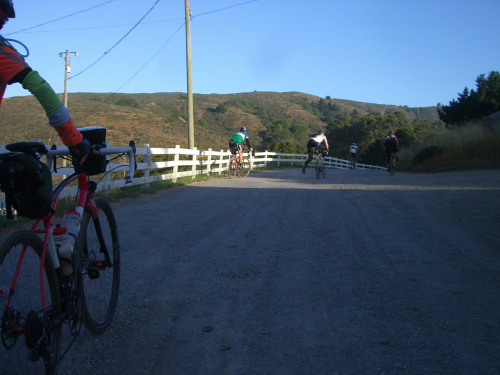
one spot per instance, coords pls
(235, 142)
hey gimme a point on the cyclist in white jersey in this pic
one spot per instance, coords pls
(317, 142)
(354, 150)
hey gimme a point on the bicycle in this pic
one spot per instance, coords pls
(353, 161)
(235, 167)
(319, 164)
(392, 162)
(40, 298)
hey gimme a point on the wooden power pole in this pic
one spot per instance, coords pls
(67, 69)
(189, 79)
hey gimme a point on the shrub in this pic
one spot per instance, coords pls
(221, 108)
(427, 153)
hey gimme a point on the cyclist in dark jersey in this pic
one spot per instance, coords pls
(14, 69)
(235, 142)
(390, 143)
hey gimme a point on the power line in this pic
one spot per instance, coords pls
(147, 62)
(58, 19)
(100, 27)
(218, 10)
(129, 24)
(76, 75)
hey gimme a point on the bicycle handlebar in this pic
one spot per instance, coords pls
(129, 150)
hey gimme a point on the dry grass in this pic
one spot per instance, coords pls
(469, 147)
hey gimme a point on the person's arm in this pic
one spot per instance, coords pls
(382, 144)
(248, 143)
(57, 113)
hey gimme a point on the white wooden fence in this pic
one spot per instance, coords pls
(188, 163)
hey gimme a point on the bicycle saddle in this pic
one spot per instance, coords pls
(29, 147)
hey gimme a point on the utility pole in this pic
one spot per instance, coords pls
(67, 69)
(189, 79)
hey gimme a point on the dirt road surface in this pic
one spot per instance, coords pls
(281, 273)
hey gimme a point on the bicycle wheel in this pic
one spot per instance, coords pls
(323, 169)
(101, 280)
(316, 167)
(392, 164)
(233, 168)
(25, 321)
(244, 168)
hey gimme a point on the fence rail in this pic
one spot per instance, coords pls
(185, 163)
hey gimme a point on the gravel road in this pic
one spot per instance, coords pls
(281, 273)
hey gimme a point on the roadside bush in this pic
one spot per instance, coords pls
(428, 153)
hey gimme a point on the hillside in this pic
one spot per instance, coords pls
(160, 119)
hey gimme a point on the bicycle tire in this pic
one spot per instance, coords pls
(245, 168)
(27, 299)
(100, 295)
(232, 168)
(316, 167)
(392, 165)
(323, 170)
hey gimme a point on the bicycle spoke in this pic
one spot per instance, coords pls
(244, 169)
(101, 280)
(26, 345)
(232, 168)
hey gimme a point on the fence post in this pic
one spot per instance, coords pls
(221, 158)
(279, 158)
(193, 167)
(176, 166)
(209, 159)
(147, 160)
(265, 159)
(105, 178)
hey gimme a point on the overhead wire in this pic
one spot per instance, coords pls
(105, 53)
(217, 10)
(158, 51)
(58, 19)
(102, 27)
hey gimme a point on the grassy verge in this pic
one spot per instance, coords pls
(472, 146)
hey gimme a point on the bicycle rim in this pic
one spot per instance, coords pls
(100, 294)
(245, 170)
(232, 169)
(323, 170)
(26, 300)
(316, 167)
(392, 165)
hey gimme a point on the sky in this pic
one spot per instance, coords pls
(394, 52)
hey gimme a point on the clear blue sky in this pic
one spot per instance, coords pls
(415, 53)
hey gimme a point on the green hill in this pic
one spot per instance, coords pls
(160, 119)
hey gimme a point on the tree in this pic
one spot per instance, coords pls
(406, 136)
(284, 147)
(473, 105)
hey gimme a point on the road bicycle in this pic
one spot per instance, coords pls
(40, 298)
(235, 167)
(353, 162)
(319, 164)
(392, 163)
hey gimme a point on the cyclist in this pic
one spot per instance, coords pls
(14, 69)
(389, 143)
(353, 150)
(235, 142)
(319, 141)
